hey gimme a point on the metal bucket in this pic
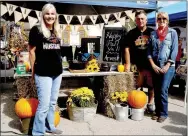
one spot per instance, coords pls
(137, 114)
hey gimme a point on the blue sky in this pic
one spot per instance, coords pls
(170, 7)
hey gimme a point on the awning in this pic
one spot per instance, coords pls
(115, 3)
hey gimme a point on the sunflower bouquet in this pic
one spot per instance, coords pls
(92, 66)
(119, 97)
(81, 97)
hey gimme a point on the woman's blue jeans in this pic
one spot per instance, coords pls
(161, 85)
(48, 91)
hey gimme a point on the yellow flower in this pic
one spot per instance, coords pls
(123, 98)
(117, 94)
(85, 98)
(69, 99)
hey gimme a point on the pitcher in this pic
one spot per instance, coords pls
(121, 111)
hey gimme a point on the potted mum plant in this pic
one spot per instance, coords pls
(81, 104)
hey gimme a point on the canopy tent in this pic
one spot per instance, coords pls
(82, 7)
(118, 3)
(177, 14)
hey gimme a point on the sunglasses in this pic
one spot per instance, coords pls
(161, 19)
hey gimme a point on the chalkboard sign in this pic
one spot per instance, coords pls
(113, 38)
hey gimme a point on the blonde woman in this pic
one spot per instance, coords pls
(162, 56)
(45, 58)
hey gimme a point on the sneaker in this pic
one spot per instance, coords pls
(56, 132)
(150, 108)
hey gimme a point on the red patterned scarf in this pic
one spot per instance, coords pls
(162, 33)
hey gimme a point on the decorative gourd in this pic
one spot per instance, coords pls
(27, 65)
(56, 118)
(137, 99)
(34, 104)
(121, 68)
(23, 108)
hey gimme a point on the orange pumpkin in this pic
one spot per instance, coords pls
(137, 99)
(56, 118)
(121, 68)
(23, 108)
(34, 104)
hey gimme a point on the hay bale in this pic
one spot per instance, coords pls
(26, 87)
(124, 82)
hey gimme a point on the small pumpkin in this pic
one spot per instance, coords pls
(34, 104)
(56, 118)
(137, 99)
(121, 68)
(23, 108)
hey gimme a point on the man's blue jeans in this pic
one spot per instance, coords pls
(161, 85)
(48, 91)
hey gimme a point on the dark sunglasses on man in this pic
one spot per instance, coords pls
(161, 18)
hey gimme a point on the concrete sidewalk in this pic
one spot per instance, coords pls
(176, 124)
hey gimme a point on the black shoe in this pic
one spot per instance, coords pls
(161, 119)
(154, 117)
(56, 132)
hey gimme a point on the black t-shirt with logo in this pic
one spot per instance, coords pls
(48, 53)
(137, 42)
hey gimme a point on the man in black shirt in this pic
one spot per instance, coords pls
(137, 41)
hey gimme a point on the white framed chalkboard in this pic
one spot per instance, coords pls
(112, 43)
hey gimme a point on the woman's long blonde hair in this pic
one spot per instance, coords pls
(56, 27)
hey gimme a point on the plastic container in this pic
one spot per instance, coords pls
(21, 69)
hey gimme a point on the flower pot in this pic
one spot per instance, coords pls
(81, 114)
(27, 125)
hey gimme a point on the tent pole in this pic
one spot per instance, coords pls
(156, 12)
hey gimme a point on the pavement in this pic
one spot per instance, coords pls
(176, 123)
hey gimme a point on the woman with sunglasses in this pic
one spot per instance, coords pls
(162, 54)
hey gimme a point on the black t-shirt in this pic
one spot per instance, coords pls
(137, 42)
(48, 53)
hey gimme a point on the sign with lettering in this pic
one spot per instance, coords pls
(90, 46)
(112, 44)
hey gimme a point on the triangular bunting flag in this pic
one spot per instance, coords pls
(117, 15)
(38, 13)
(11, 8)
(122, 21)
(105, 17)
(17, 16)
(68, 18)
(93, 18)
(130, 14)
(32, 21)
(81, 18)
(62, 26)
(25, 12)
(111, 22)
(3, 9)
